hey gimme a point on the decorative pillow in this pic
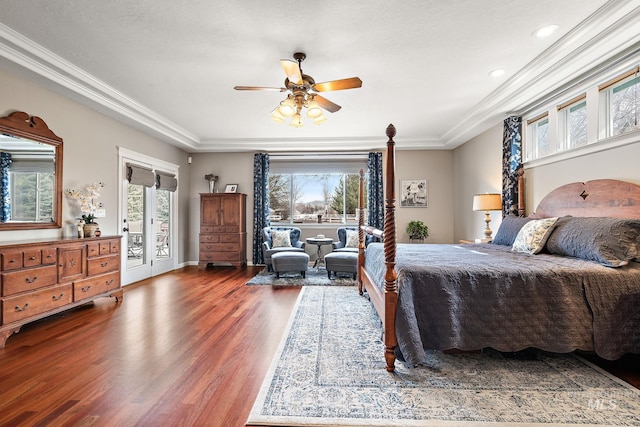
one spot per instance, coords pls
(352, 239)
(508, 230)
(610, 241)
(533, 235)
(280, 238)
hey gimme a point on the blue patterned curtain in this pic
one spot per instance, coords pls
(511, 162)
(375, 191)
(5, 200)
(260, 203)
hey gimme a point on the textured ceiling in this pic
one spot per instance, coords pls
(169, 66)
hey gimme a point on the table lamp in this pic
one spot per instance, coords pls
(487, 202)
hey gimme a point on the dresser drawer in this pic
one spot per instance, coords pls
(206, 256)
(25, 280)
(95, 285)
(34, 303)
(32, 257)
(93, 249)
(229, 238)
(231, 229)
(209, 238)
(220, 247)
(102, 264)
(11, 260)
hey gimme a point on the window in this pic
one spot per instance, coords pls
(622, 101)
(573, 122)
(314, 198)
(539, 135)
(316, 191)
(32, 196)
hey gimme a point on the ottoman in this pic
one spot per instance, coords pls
(290, 261)
(344, 262)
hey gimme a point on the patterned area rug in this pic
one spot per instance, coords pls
(329, 370)
(314, 277)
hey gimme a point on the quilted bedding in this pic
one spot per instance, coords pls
(470, 297)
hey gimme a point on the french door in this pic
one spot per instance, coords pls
(147, 220)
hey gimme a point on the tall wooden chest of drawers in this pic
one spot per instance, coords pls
(223, 231)
(44, 277)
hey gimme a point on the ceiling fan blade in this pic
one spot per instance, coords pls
(331, 107)
(279, 89)
(350, 83)
(292, 70)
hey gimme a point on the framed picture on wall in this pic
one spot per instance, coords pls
(414, 193)
(231, 188)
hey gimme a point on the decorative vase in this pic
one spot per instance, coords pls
(90, 230)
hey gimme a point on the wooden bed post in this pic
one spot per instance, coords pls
(390, 277)
(521, 201)
(360, 230)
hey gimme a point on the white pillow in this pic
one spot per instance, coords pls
(533, 235)
(281, 238)
(352, 239)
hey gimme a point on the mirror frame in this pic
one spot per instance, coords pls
(22, 125)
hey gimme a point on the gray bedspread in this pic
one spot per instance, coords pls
(470, 297)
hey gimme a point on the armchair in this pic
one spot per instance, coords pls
(267, 246)
(341, 244)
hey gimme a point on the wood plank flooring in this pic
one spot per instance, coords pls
(188, 348)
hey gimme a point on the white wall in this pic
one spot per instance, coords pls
(90, 152)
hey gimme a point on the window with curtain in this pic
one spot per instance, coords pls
(315, 189)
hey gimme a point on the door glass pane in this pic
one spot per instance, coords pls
(163, 204)
(136, 254)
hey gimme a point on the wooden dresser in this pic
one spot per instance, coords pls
(44, 277)
(223, 231)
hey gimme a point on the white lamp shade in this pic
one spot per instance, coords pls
(487, 202)
(276, 116)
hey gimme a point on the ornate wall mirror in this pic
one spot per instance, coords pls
(30, 174)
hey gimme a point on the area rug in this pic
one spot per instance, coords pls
(329, 370)
(314, 277)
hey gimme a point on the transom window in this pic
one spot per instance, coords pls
(538, 130)
(624, 105)
(573, 122)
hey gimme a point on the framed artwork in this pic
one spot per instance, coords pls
(231, 188)
(414, 193)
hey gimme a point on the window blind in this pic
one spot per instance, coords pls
(138, 175)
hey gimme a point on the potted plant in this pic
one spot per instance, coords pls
(417, 230)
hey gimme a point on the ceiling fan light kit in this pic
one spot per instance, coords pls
(302, 93)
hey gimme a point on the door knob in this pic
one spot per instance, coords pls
(125, 229)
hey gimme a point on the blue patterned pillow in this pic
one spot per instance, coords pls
(533, 235)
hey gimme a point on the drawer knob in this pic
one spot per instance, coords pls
(32, 258)
(104, 264)
(108, 282)
(55, 298)
(18, 308)
(31, 280)
(86, 289)
(12, 261)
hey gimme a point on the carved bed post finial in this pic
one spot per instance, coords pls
(390, 277)
(360, 231)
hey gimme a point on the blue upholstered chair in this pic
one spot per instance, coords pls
(340, 245)
(297, 245)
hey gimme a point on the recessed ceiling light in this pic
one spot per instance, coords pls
(497, 73)
(545, 31)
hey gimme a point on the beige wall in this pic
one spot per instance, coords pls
(90, 152)
(477, 168)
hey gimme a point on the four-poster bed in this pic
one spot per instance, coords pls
(469, 297)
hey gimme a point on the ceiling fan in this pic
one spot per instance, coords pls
(303, 93)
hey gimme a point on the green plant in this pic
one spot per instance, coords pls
(417, 229)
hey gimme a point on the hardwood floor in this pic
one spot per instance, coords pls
(188, 348)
